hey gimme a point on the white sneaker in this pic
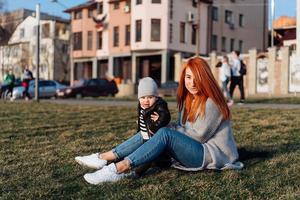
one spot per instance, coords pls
(230, 103)
(106, 174)
(92, 161)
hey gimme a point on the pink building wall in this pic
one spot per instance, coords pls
(84, 25)
(120, 18)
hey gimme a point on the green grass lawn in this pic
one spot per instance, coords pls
(271, 100)
(39, 143)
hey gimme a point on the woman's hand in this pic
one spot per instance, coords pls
(154, 116)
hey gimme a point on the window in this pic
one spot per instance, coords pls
(138, 2)
(138, 30)
(57, 30)
(116, 36)
(22, 33)
(156, 1)
(171, 9)
(100, 8)
(232, 44)
(116, 5)
(90, 40)
(47, 84)
(46, 30)
(99, 40)
(155, 29)
(241, 20)
(65, 48)
(171, 33)
(240, 46)
(194, 34)
(228, 17)
(127, 7)
(223, 44)
(93, 82)
(127, 35)
(77, 41)
(215, 14)
(90, 13)
(194, 3)
(77, 14)
(182, 32)
(214, 42)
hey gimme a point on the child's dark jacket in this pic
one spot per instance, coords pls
(161, 107)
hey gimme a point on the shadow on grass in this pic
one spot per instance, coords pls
(245, 154)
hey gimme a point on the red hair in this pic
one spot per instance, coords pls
(207, 87)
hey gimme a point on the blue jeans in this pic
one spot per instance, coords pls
(182, 148)
(225, 88)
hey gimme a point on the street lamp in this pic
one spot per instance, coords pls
(37, 53)
(272, 20)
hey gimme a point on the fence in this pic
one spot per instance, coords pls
(275, 73)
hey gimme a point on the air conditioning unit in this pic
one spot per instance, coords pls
(231, 26)
(126, 9)
(190, 17)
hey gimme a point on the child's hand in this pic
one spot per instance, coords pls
(155, 116)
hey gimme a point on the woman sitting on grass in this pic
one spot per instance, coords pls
(202, 138)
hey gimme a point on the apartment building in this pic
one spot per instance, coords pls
(20, 50)
(151, 37)
(10, 20)
(239, 25)
(135, 42)
(89, 42)
(162, 38)
(120, 39)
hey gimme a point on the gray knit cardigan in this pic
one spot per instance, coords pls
(220, 151)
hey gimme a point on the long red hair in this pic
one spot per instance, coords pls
(207, 87)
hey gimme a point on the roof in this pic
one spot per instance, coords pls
(284, 21)
(90, 3)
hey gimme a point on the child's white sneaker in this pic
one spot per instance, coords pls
(106, 174)
(92, 161)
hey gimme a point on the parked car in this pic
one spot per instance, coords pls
(90, 88)
(168, 89)
(47, 89)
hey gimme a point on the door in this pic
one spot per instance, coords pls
(48, 89)
(91, 88)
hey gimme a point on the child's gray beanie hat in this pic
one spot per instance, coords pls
(147, 87)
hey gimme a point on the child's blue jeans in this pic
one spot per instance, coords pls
(182, 148)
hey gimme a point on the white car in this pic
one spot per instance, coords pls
(47, 89)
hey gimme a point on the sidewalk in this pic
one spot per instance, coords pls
(171, 104)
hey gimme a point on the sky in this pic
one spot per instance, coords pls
(282, 7)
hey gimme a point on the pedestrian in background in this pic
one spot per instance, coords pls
(9, 81)
(224, 76)
(237, 78)
(27, 77)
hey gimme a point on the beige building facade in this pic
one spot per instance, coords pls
(21, 49)
(239, 25)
